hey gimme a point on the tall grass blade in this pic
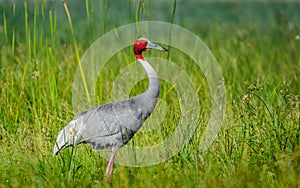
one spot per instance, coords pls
(171, 29)
(77, 53)
(5, 27)
(27, 31)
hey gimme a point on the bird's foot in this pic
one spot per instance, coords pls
(108, 178)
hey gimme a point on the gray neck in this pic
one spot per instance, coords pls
(149, 97)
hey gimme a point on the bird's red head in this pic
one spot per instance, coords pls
(143, 44)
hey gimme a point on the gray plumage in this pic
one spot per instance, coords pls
(111, 126)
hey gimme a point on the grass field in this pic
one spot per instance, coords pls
(257, 45)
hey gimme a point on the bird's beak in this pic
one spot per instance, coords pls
(151, 45)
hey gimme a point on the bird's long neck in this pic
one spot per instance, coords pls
(151, 94)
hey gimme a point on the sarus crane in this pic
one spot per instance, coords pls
(111, 126)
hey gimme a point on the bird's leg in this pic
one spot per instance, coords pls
(110, 165)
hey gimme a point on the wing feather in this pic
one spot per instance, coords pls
(103, 127)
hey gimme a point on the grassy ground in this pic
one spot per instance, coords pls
(256, 44)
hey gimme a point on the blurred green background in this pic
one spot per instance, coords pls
(257, 44)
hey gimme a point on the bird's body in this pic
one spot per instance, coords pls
(107, 126)
(111, 126)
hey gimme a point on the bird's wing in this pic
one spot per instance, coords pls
(103, 127)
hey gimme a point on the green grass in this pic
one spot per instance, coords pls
(255, 44)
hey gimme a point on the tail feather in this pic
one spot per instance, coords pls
(66, 137)
(61, 142)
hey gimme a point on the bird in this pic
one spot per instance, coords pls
(110, 126)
